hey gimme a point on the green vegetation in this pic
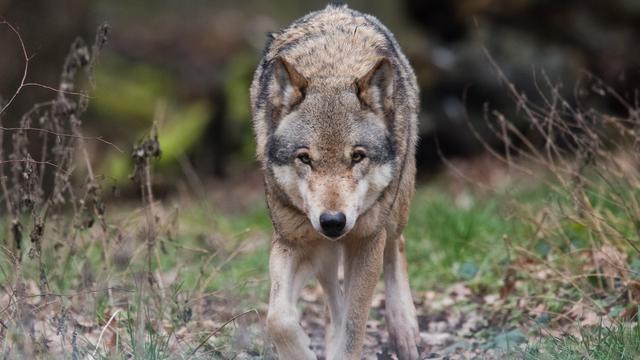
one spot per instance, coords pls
(618, 342)
(463, 238)
(448, 241)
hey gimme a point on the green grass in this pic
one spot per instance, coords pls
(447, 240)
(618, 342)
(445, 243)
(244, 266)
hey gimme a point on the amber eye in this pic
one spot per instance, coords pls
(304, 158)
(357, 156)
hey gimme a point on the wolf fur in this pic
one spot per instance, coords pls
(334, 104)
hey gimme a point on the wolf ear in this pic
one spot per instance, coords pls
(291, 86)
(375, 88)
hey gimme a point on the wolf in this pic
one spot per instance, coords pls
(335, 109)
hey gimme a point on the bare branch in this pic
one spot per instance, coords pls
(26, 64)
(51, 132)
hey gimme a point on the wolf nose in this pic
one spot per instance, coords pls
(332, 223)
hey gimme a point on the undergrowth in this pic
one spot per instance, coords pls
(571, 265)
(81, 280)
(618, 342)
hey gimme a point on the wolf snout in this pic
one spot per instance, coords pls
(332, 223)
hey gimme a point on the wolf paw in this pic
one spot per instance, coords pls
(404, 336)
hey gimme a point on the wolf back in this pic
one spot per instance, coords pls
(336, 42)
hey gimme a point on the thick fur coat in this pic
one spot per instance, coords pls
(334, 104)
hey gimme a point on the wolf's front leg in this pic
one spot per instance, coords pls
(327, 262)
(289, 272)
(362, 267)
(400, 311)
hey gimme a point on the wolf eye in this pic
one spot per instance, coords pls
(304, 158)
(357, 156)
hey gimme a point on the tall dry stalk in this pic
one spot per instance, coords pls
(32, 202)
(588, 162)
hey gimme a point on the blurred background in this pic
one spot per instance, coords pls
(189, 64)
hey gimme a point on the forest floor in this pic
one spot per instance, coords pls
(484, 285)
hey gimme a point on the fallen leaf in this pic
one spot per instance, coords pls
(508, 283)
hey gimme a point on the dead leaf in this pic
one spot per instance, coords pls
(630, 312)
(612, 263)
(509, 283)
(584, 315)
(459, 292)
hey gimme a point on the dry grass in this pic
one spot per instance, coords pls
(78, 282)
(573, 261)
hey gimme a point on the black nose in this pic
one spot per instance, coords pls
(332, 223)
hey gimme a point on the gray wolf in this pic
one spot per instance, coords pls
(334, 105)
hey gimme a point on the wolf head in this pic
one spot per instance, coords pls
(330, 149)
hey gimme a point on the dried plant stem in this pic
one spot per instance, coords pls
(25, 70)
(115, 313)
(219, 329)
(51, 132)
(5, 190)
(28, 200)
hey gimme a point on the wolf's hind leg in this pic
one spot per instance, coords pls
(289, 272)
(400, 311)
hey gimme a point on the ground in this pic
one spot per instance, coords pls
(484, 286)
